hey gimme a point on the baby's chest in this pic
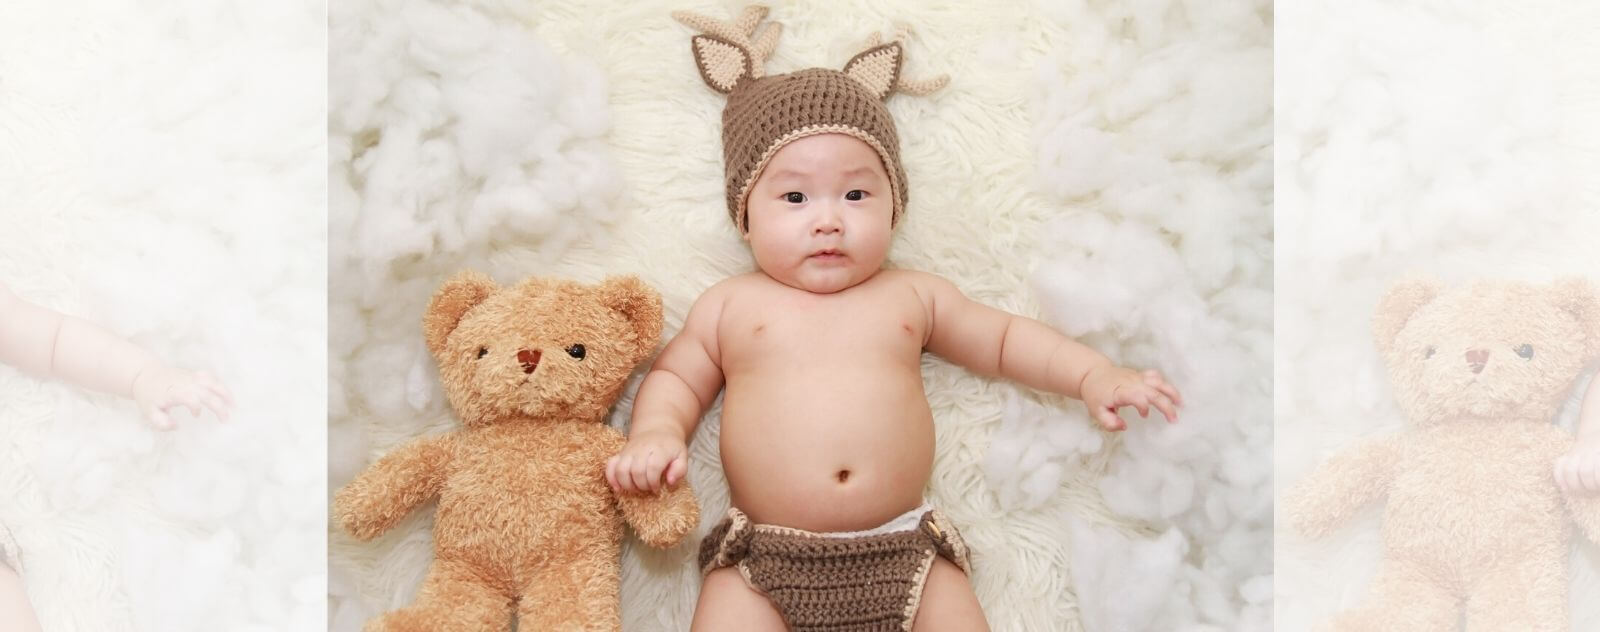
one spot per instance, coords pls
(834, 330)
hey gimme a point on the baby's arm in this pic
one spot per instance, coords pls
(681, 385)
(1578, 472)
(50, 344)
(992, 342)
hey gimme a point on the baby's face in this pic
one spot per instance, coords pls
(820, 214)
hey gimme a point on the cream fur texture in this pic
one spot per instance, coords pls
(1102, 165)
(161, 174)
(1449, 140)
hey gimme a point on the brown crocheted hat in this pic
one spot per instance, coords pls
(764, 113)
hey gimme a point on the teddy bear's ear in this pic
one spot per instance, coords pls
(1397, 307)
(639, 304)
(461, 293)
(1579, 297)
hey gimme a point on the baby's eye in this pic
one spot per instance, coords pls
(795, 197)
(855, 195)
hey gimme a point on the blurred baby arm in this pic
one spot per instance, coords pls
(49, 344)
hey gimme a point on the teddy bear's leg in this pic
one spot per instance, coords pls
(1529, 593)
(451, 599)
(581, 594)
(1403, 598)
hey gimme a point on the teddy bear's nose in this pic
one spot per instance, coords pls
(1477, 358)
(529, 360)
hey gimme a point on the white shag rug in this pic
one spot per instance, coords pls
(1457, 140)
(161, 174)
(1103, 165)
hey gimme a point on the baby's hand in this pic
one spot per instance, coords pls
(160, 388)
(1578, 471)
(643, 461)
(1106, 389)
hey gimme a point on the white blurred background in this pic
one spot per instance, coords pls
(162, 174)
(1450, 139)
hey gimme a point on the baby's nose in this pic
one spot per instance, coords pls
(529, 360)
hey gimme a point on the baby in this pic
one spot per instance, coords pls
(827, 439)
(48, 344)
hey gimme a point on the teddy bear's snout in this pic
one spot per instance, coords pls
(1477, 359)
(529, 359)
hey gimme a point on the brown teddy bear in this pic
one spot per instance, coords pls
(1473, 516)
(525, 519)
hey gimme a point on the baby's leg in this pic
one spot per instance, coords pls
(728, 603)
(16, 614)
(948, 602)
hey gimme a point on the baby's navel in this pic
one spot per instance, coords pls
(758, 329)
(844, 475)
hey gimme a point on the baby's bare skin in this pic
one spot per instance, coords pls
(825, 425)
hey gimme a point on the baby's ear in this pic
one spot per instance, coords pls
(461, 293)
(1578, 296)
(1397, 307)
(640, 305)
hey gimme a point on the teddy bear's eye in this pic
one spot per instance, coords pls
(576, 351)
(1428, 353)
(483, 351)
(1526, 351)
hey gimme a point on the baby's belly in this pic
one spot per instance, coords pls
(840, 450)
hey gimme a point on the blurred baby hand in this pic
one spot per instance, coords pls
(1109, 388)
(160, 388)
(643, 461)
(1578, 471)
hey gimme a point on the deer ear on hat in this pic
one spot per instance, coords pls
(878, 69)
(728, 54)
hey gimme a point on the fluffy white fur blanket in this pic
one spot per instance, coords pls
(161, 173)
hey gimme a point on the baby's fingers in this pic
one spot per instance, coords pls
(211, 382)
(158, 418)
(624, 471)
(189, 399)
(1139, 399)
(638, 473)
(1167, 408)
(1589, 475)
(1154, 379)
(1108, 419)
(677, 469)
(611, 473)
(654, 464)
(215, 403)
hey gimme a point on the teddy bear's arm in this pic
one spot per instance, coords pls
(660, 519)
(392, 487)
(1335, 490)
(663, 518)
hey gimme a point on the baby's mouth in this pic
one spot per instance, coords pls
(827, 254)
